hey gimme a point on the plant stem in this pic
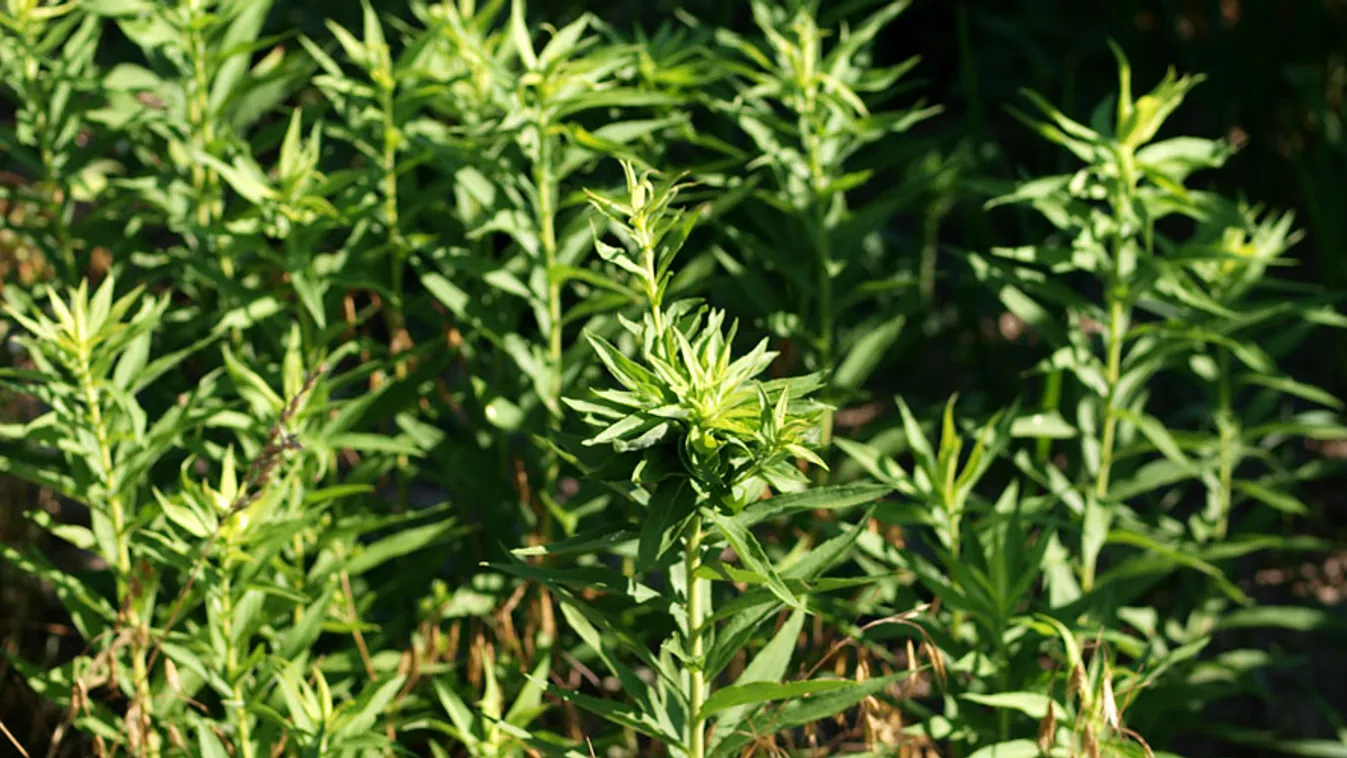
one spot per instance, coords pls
(1122, 202)
(696, 606)
(1117, 323)
(395, 318)
(35, 93)
(1117, 320)
(543, 183)
(818, 182)
(548, 240)
(116, 509)
(1003, 650)
(389, 180)
(1225, 425)
(122, 560)
(825, 305)
(203, 132)
(238, 709)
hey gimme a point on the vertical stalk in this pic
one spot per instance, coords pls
(1122, 202)
(696, 606)
(34, 95)
(122, 560)
(1117, 317)
(205, 181)
(394, 318)
(237, 710)
(807, 80)
(203, 133)
(823, 261)
(1116, 324)
(1225, 425)
(544, 185)
(116, 509)
(825, 306)
(389, 182)
(542, 178)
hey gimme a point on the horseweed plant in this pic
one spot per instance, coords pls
(459, 383)
(1173, 308)
(1192, 287)
(703, 440)
(804, 230)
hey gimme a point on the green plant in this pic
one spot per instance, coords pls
(1171, 307)
(808, 252)
(705, 440)
(432, 381)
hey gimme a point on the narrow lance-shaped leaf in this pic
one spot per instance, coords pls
(751, 552)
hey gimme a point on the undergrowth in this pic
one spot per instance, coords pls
(462, 383)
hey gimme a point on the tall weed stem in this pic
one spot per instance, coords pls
(238, 707)
(1225, 425)
(127, 590)
(1117, 324)
(696, 607)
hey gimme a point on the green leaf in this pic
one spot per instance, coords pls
(367, 709)
(747, 612)
(596, 577)
(750, 551)
(617, 712)
(820, 498)
(916, 438)
(1149, 477)
(633, 686)
(670, 508)
(1275, 498)
(18, 462)
(236, 50)
(1042, 425)
(1290, 386)
(209, 744)
(1032, 704)
(528, 705)
(769, 665)
(300, 637)
(520, 37)
(90, 612)
(602, 538)
(1171, 555)
(266, 403)
(1155, 431)
(200, 522)
(1293, 617)
(806, 711)
(563, 42)
(400, 544)
(459, 712)
(623, 369)
(763, 692)
(863, 357)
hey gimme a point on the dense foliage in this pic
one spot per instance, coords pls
(492, 379)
